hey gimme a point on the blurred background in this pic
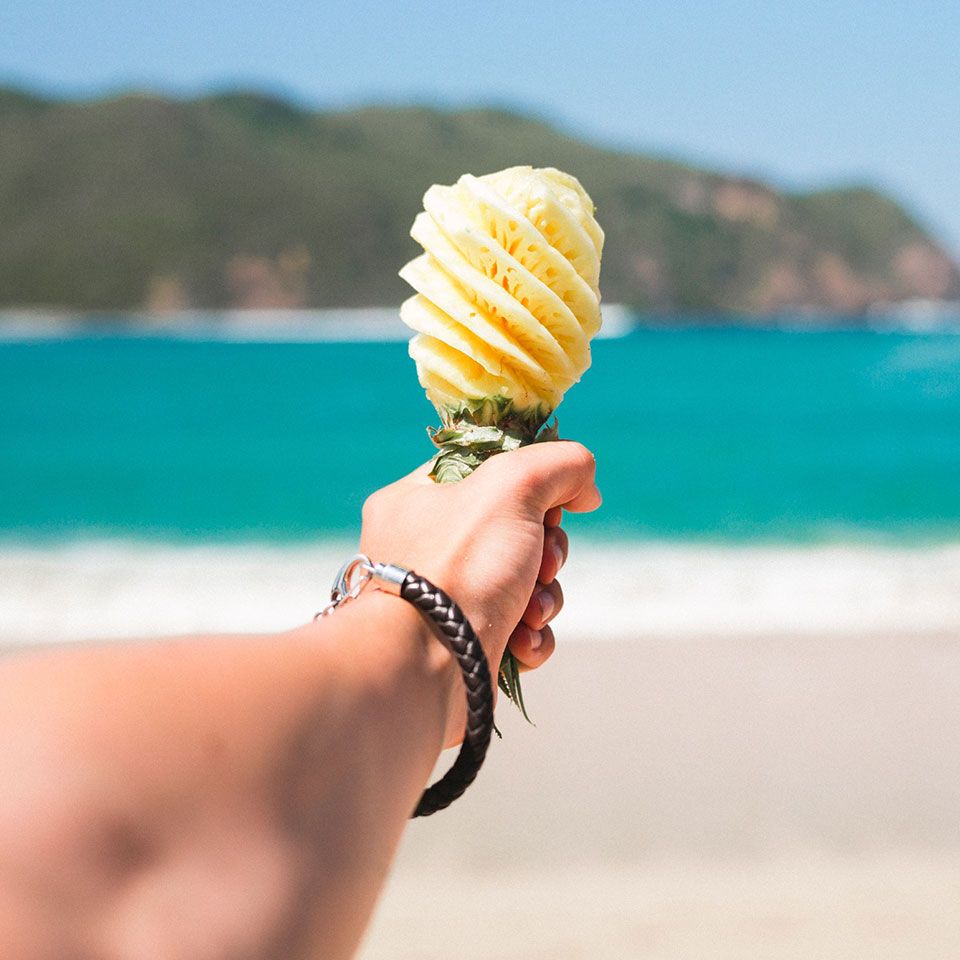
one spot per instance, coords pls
(748, 741)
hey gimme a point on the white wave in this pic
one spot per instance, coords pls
(109, 590)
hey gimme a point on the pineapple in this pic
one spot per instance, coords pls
(507, 302)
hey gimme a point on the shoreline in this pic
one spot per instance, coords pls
(645, 590)
(380, 323)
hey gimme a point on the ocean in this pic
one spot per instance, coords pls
(730, 443)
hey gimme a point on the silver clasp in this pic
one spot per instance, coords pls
(352, 577)
(355, 574)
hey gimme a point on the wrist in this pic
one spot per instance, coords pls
(408, 650)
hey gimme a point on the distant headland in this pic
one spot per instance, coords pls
(241, 200)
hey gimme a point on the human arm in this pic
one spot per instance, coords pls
(244, 796)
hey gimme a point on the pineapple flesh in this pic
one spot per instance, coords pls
(507, 301)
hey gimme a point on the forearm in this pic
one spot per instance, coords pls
(227, 791)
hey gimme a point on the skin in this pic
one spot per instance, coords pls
(234, 797)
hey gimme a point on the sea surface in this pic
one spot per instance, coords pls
(722, 435)
(757, 482)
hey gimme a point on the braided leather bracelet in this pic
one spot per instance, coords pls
(459, 636)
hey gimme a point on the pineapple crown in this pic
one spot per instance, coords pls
(476, 430)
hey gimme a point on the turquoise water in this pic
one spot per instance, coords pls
(718, 434)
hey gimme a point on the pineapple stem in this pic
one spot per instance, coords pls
(465, 441)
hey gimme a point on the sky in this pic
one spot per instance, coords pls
(804, 94)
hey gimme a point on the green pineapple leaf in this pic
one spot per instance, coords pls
(474, 433)
(509, 682)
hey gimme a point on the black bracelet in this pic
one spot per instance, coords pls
(459, 636)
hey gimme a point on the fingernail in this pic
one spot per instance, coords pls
(547, 604)
(536, 638)
(557, 554)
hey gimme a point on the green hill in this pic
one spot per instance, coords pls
(245, 200)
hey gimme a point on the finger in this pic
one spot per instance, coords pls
(545, 475)
(532, 648)
(553, 517)
(544, 605)
(556, 547)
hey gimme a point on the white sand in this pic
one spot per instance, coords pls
(885, 908)
(776, 798)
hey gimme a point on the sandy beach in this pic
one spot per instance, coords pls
(896, 907)
(789, 797)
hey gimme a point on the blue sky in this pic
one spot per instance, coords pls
(802, 93)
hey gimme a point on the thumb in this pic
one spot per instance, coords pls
(559, 473)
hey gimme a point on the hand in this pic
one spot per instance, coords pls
(493, 541)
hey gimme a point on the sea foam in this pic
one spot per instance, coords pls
(53, 594)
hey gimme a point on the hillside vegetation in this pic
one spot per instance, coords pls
(142, 201)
